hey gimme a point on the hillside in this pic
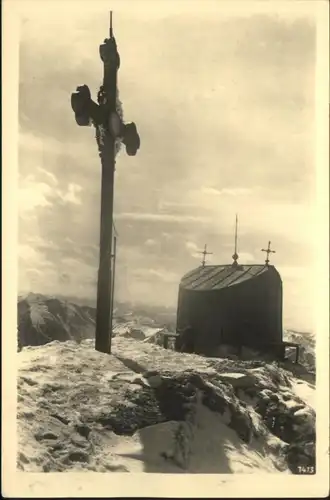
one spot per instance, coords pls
(42, 319)
(147, 409)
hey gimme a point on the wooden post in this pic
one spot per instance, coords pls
(113, 282)
(103, 309)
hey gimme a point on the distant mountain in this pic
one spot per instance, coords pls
(307, 347)
(42, 319)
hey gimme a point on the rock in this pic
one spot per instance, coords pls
(293, 406)
(305, 415)
(304, 419)
(242, 424)
(61, 418)
(135, 333)
(23, 458)
(155, 381)
(150, 373)
(46, 436)
(78, 440)
(77, 456)
(309, 449)
(83, 430)
(225, 417)
(286, 395)
(240, 380)
(266, 394)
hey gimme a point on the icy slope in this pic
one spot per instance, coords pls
(146, 409)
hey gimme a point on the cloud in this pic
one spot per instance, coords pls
(159, 217)
(193, 249)
(150, 242)
(237, 191)
(71, 195)
(33, 194)
(228, 129)
(49, 176)
(158, 274)
(164, 275)
(64, 278)
(35, 272)
(166, 236)
(246, 258)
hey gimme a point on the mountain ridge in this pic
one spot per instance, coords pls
(45, 318)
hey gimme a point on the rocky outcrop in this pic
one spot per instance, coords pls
(75, 404)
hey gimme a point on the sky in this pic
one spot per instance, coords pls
(224, 105)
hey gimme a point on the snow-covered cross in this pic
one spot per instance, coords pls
(107, 118)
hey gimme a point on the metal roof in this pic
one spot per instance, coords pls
(217, 277)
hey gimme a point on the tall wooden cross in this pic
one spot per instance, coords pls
(106, 117)
(204, 253)
(268, 251)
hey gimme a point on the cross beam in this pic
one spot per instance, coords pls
(110, 133)
(268, 251)
(205, 253)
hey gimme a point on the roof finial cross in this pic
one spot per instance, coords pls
(235, 255)
(204, 253)
(268, 251)
(110, 27)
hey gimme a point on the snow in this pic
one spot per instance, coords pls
(81, 410)
(305, 391)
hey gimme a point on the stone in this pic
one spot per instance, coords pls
(240, 380)
(266, 394)
(150, 373)
(155, 381)
(309, 449)
(293, 406)
(304, 414)
(46, 436)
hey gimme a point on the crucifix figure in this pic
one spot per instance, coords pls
(204, 253)
(106, 117)
(268, 251)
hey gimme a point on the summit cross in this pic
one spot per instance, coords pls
(107, 118)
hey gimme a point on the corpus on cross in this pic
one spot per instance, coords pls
(106, 116)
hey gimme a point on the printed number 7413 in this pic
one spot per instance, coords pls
(306, 469)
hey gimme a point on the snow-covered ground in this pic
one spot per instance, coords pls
(147, 409)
